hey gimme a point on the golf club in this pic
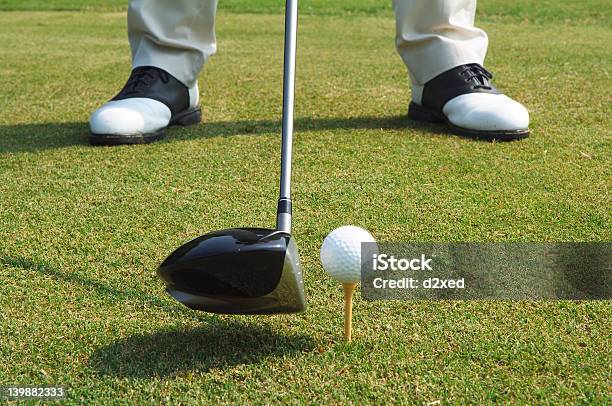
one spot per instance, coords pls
(247, 270)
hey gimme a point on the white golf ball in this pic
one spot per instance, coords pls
(341, 253)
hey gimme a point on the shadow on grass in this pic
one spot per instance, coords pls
(36, 137)
(221, 344)
(95, 287)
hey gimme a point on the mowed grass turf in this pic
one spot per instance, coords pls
(82, 229)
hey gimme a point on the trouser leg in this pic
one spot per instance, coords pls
(434, 36)
(175, 35)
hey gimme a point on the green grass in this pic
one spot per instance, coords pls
(576, 12)
(82, 229)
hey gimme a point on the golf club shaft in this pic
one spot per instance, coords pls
(283, 219)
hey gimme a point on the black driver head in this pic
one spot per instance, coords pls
(237, 271)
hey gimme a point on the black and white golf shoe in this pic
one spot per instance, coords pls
(465, 99)
(151, 100)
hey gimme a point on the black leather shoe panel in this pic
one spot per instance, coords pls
(464, 79)
(154, 83)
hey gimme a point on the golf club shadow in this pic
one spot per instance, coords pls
(36, 137)
(221, 344)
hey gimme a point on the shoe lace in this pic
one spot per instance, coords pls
(478, 75)
(142, 78)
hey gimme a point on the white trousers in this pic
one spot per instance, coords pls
(178, 36)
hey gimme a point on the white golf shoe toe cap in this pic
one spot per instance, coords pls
(130, 117)
(486, 112)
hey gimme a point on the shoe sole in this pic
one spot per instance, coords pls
(186, 118)
(420, 113)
